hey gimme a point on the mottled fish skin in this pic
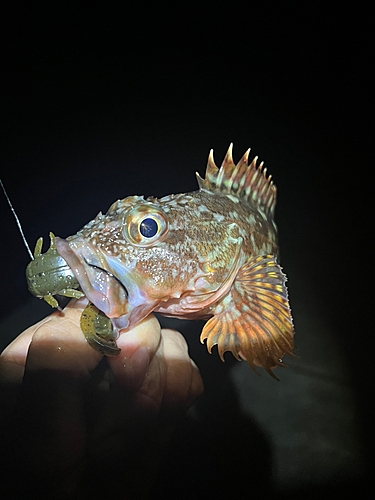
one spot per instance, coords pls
(189, 268)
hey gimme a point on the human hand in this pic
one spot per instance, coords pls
(72, 418)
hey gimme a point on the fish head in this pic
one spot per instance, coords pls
(130, 260)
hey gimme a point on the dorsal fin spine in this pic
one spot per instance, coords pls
(220, 175)
(233, 177)
(245, 181)
(228, 157)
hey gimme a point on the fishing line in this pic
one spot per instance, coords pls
(17, 220)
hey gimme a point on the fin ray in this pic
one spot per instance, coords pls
(245, 181)
(256, 324)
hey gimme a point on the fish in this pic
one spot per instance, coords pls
(211, 254)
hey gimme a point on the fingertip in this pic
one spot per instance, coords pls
(59, 344)
(13, 358)
(145, 334)
(138, 347)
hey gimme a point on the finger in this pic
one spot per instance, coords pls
(183, 381)
(13, 358)
(59, 344)
(138, 347)
(49, 419)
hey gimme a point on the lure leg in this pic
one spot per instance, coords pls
(97, 329)
(71, 292)
(51, 301)
(67, 292)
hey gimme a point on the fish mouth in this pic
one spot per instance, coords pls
(111, 275)
(100, 285)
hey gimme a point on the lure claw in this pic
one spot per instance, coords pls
(97, 329)
(52, 244)
(38, 248)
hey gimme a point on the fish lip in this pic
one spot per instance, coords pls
(107, 294)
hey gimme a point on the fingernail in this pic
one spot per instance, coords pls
(128, 341)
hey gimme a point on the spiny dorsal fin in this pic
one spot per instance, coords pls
(245, 181)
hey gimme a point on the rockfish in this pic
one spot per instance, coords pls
(210, 254)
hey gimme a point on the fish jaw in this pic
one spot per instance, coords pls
(139, 302)
(107, 283)
(100, 288)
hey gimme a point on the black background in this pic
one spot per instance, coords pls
(103, 104)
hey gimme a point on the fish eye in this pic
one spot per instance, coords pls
(148, 227)
(145, 225)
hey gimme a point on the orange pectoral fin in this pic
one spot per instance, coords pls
(254, 321)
